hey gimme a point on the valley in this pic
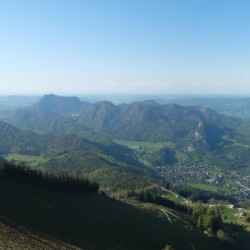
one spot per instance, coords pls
(180, 145)
(164, 160)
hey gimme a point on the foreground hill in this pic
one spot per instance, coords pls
(14, 236)
(90, 221)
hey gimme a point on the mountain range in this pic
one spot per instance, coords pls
(191, 127)
(81, 138)
(129, 149)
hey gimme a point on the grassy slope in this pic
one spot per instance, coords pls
(13, 236)
(231, 216)
(208, 187)
(95, 221)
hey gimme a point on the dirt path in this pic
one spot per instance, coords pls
(168, 214)
(166, 190)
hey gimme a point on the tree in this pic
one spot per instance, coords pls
(200, 222)
(168, 247)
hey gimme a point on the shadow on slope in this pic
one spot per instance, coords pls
(93, 221)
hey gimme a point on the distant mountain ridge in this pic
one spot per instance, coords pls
(143, 121)
(59, 104)
(184, 133)
(192, 127)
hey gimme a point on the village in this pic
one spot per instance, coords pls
(206, 176)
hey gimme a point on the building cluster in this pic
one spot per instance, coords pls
(235, 181)
(181, 174)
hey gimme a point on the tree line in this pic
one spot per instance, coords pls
(208, 219)
(204, 217)
(195, 194)
(59, 182)
(151, 197)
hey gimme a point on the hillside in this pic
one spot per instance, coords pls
(41, 120)
(128, 149)
(14, 236)
(191, 128)
(91, 221)
(114, 166)
(132, 145)
(148, 121)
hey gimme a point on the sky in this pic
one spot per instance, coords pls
(125, 47)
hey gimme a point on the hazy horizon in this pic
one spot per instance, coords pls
(124, 94)
(126, 47)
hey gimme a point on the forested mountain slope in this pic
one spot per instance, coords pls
(112, 165)
(147, 121)
(185, 132)
(191, 128)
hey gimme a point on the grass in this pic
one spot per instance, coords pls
(215, 171)
(235, 143)
(177, 200)
(29, 159)
(230, 214)
(208, 187)
(243, 227)
(13, 236)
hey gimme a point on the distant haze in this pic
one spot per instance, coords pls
(124, 47)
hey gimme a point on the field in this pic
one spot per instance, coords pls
(208, 187)
(235, 143)
(29, 159)
(176, 199)
(230, 214)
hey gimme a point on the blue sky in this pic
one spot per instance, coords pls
(125, 46)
